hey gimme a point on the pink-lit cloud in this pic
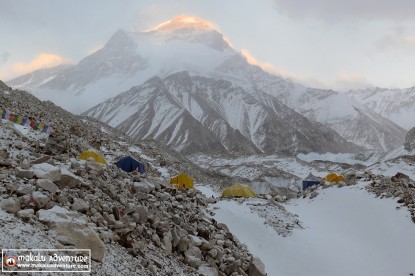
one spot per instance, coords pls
(268, 67)
(343, 82)
(41, 61)
(347, 81)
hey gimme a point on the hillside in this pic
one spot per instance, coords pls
(134, 224)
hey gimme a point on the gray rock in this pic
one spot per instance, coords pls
(79, 205)
(257, 268)
(80, 236)
(47, 185)
(24, 173)
(176, 238)
(40, 160)
(177, 220)
(68, 179)
(194, 240)
(183, 244)
(193, 251)
(206, 270)
(26, 214)
(142, 212)
(47, 171)
(143, 187)
(167, 242)
(40, 198)
(91, 166)
(156, 239)
(193, 261)
(24, 189)
(10, 205)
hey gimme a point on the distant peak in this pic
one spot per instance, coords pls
(183, 22)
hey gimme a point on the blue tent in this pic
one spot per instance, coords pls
(129, 164)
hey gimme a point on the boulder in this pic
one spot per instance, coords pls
(40, 160)
(206, 270)
(193, 256)
(167, 242)
(80, 236)
(40, 198)
(24, 189)
(142, 212)
(24, 173)
(58, 214)
(10, 205)
(68, 179)
(143, 187)
(93, 166)
(71, 228)
(47, 185)
(79, 205)
(257, 268)
(26, 214)
(196, 241)
(47, 171)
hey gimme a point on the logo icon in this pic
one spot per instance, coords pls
(10, 260)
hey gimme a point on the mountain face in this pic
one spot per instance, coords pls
(398, 105)
(194, 113)
(352, 120)
(129, 59)
(188, 44)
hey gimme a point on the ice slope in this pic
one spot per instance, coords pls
(398, 160)
(398, 105)
(347, 231)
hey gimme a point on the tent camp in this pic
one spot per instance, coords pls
(94, 154)
(332, 177)
(129, 164)
(238, 190)
(182, 180)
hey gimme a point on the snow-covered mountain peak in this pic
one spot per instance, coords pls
(189, 29)
(183, 22)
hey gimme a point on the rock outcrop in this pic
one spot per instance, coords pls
(409, 144)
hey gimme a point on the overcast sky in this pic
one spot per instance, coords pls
(338, 44)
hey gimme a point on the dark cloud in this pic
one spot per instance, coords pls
(4, 57)
(330, 10)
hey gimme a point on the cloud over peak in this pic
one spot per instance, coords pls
(41, 61)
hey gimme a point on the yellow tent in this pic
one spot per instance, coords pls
(238, 190)
(182, 180)
(332, 177)
(94, 154)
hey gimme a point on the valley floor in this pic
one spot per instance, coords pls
(343, 231)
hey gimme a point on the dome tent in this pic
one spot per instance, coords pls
(129, 164)
(94, 154)
(182, 180)
(332, 177)
(238, 190)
